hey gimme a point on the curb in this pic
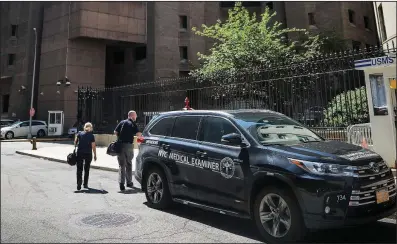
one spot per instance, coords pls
(37, 140)
(93, 166)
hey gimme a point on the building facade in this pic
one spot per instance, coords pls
(17, 42)
(385, 15)
(104, 44)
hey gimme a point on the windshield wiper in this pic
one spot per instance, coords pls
(273, 144)
(308, 141)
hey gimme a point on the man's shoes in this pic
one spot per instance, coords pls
(86, 186)
(79, 187)
(122, 187)
(130, 185)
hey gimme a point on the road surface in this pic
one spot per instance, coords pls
(39, 204)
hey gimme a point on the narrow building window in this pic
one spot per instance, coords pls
(351, 16)
(11, 59)
(356, 45)
(184, 73)
(270, 5)
(183, 22)
(251, 4)
(6, 103)
(311, 19)
(227, 4)
(14, 29)
(118, 57)
(366, 23)
(183, 53)
(382, 23)
(140, 53)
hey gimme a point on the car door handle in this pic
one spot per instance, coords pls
(166, 146)
(201, 153)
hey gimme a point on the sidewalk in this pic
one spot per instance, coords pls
(44, 139)
(59, 154)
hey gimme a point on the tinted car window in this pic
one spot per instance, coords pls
(213, 128)
(24, 124)
(37, 123)
(4, 123)
(186, 127)
(163, 127)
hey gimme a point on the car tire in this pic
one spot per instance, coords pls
(9, 135)
(297, 229)
(41, 133)
(158, 195)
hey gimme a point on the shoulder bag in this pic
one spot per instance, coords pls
(72, 157)
(114, 148)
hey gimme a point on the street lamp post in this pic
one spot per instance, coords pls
(33, 78)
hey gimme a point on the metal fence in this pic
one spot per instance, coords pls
(325, 93)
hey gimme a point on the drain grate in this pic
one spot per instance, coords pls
(108, 220)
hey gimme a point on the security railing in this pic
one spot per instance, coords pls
(360, 135)
(326, 94)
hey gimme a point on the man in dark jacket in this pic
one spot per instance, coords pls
(125, 131)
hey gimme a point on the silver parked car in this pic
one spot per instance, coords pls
(21, 129)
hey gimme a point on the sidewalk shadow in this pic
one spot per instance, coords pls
(377, 232)
(92, 191)
(237, 226)
(134, 190)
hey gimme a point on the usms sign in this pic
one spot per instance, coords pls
(375, 62)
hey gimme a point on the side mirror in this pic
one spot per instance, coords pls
(233, 139)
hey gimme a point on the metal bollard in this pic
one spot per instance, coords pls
(34, 142)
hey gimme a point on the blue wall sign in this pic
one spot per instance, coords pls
(373, 62)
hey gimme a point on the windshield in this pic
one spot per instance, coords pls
(273, 128)
(14, 124)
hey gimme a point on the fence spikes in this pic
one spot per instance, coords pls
(267, 85)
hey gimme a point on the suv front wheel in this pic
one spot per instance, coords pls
(157, 192)
(278, 216)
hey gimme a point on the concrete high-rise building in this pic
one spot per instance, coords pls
(103, 44)
(385, 15)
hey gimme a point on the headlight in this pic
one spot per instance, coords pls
(325, 169)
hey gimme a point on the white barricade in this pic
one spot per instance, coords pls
(360, 135)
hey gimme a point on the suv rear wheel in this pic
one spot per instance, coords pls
(278, 216)
(157, 192)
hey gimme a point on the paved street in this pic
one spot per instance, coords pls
(39, 204)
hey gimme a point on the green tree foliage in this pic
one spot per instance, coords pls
(330, 41)
(347, 108)
(243, 42)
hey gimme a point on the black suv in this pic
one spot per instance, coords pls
(262, 165)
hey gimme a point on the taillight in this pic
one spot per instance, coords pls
(140, 139)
